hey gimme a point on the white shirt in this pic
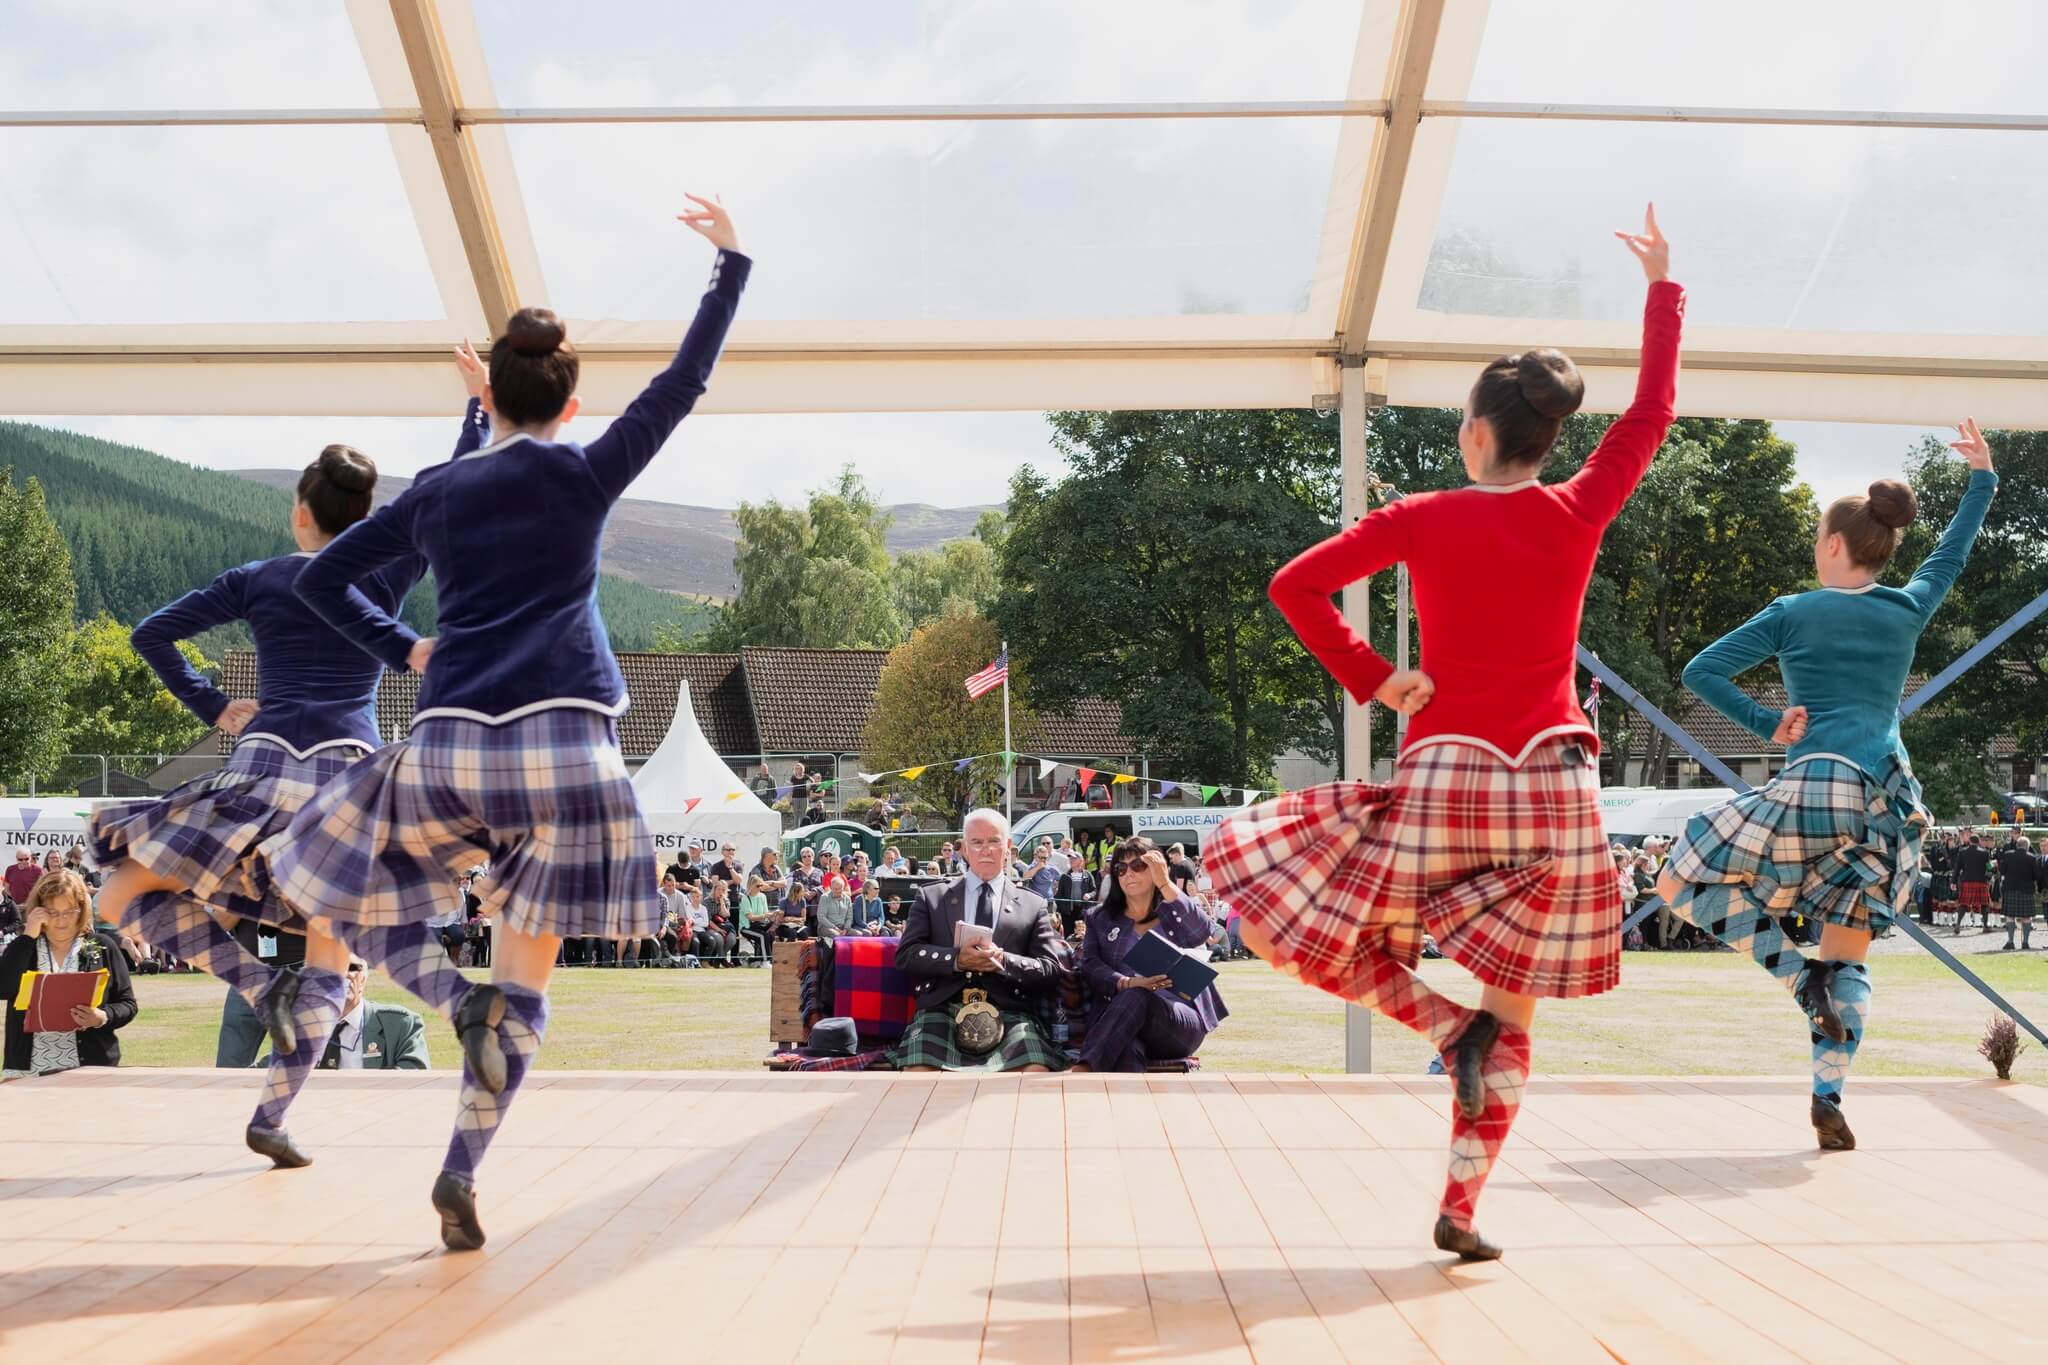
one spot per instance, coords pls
(349, 1035)
(700, 915)
(995, 898)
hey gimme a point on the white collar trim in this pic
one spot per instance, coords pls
(1851, 592)
(1503, 487)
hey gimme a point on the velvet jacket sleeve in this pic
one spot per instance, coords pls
(1597, 492)
(328, 582)
(1100, 976)
(1182, 923)
(1304, 585)
(918, 951)
(617, 457)
(119, 1004)
(1938, 572)
(1038, 969)
(476, 429)
(1713, 672)
(156, 640)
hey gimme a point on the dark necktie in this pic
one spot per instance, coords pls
(331, 1059)
(982, 913)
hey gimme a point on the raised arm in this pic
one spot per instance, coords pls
(156, 640)
(1712, 674)
(1938, 572)
(617, 457)
(1302, 590)
(476, 423)
(1596, 493)
(327, 583)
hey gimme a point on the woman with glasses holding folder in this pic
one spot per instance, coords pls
(1134, 1018)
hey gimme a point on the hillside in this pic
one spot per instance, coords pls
(689, 549)
(143, 529)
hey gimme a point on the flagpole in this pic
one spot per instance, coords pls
(1009, 763)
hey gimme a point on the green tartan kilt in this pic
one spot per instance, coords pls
(928, 1041)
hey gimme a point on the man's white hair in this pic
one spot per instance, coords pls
(985, 816)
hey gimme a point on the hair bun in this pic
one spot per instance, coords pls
(535, 332)
(1550, 383)
(348, 469)
(1892, 504)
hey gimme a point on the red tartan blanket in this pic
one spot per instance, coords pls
(867, 988)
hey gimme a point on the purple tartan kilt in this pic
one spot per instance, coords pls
(206, 834)
(544, 799)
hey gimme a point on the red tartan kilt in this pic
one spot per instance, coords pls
(1973, 895)
(1508, 869)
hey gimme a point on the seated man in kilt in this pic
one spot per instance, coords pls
(976, 1005)
(2018, 873)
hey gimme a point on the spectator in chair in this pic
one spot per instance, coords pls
(755, 921)
(774, 881)
(57, 936)
(948, 862)
(835, 909)
(1134, 1019)
(1076, 891)
(1016, 969)
(372, 1037)
(867, 910)
(74, 861)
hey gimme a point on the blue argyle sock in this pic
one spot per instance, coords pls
(479, 1112)
(182, 926)
(1831, 1060)
(415, 958)
(314, 1015)
(1728, 912)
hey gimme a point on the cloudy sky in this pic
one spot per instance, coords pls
(1860, 229)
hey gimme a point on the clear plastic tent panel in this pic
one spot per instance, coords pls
(912, 256)
(184, 54)
(907, 52)
(163, 226)
(940, 220)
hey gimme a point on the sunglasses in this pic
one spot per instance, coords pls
(1132, 865)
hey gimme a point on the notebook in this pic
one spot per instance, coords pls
(46, 998)
(1153, 955)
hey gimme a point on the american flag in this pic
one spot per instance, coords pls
(1592, 706)
(990, 678)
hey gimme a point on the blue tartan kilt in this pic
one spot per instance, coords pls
(1823, 839)
(206, 835)
(544, 799)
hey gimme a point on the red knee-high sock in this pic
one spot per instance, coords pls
(1381, 983)
(1476, 1142)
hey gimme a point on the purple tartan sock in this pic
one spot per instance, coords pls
(414, 957)
(478, 1112)
(180, 925)
(314, 1015)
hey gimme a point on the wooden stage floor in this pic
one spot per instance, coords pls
(695, 1216)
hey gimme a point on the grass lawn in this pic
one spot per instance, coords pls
(1675, 1014)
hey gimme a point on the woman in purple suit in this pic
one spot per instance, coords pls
(1133, 1019)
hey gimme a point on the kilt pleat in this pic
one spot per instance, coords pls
(1507, 868)
(545, 800)
(1823, 838)
(206, 834)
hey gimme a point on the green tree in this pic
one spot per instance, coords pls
(36, 598)
(923, 714)
(816, 576)
(114, 703)
(1142, 576)
(958, 578)
(1952, 740)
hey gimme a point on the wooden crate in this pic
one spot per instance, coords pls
(785, 998)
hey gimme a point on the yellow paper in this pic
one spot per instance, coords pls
(24, 997)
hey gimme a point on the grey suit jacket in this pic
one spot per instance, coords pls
(1023, 931)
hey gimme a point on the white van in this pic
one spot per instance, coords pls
(1633, 814)
(1166, 826)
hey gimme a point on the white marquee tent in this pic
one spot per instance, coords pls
(688, 792)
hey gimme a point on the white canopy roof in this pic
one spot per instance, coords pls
(688, 792)
(260, 207)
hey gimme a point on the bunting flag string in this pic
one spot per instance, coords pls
(1084, 777)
